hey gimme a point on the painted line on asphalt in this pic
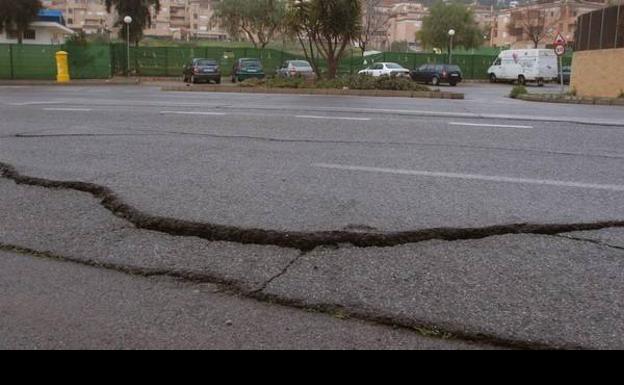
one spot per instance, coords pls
(487, 125)
(331, 118)
(69, 109)
(487, 178)
(32, 103)
(192, 113)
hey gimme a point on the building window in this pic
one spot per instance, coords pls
(30, 35)
(12, 35)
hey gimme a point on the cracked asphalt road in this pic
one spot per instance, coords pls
(317, 164)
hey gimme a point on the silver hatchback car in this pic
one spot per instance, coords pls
(296, 68)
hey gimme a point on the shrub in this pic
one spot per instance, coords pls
(517, 91)
(357, 82)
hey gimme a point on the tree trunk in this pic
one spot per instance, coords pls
(20, 37)
(332, 67)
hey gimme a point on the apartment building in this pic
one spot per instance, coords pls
(89, 16)
(177, 19)
(185, 20)
(553, 17)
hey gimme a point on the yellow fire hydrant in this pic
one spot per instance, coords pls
(62, 67)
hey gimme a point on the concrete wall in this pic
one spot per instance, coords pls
(598, 73)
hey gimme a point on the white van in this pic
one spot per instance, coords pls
(525, 65)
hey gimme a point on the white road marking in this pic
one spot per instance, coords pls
(487, 125)
(32, 103)
(192, 113)
(500, 179)
(69, 109)
(331, 118)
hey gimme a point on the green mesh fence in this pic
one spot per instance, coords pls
(34, 61)
(104, 61)
(89, 62)
(38, 62)
(5, 62)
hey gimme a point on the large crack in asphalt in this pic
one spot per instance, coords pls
(298, 240)
(425, 329)
(304, 241)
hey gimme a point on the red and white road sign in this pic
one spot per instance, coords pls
(560, 45)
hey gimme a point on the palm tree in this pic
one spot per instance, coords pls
(139, 10)
(16, 15)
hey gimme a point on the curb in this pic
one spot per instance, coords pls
(315, 91)
(79, 82)
(571, 100)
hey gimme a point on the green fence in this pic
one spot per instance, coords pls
(39, 61)
(104, 61)
(169, 61)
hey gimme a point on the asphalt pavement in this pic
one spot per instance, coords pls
(307, 164)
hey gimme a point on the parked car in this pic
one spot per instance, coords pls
(567, 74)
(247, 68)
(525, 65)
(296, 68)
(436, 74)
(385, 69)
(202, 70)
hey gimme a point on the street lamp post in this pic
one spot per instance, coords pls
(451, 34)
(128, 21)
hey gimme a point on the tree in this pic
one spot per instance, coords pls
(530, 22)
(444, 17)
(139, 10)
(325, 28)
(259, 20)
(373, 21)
(16, 15)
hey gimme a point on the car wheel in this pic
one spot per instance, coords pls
(218, 81)
(233, 79)
(453, 84)
(540, 82)
(492, 78)
(435, 81)
(521, 80)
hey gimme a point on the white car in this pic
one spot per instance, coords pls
(385, 69)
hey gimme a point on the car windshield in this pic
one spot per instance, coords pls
(205, 63)
(251, 64)
(394, 66)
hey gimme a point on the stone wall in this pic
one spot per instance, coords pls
(598, 73)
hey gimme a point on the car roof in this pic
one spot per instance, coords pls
(204, 58)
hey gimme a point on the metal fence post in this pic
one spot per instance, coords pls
(591, 17)
(617, 24)
(11, 61)
(602, 27)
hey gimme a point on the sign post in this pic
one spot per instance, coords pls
(560, 50)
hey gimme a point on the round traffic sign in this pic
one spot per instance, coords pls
(560, 50)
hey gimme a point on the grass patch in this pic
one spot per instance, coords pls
(357, 82)
(517, 91)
